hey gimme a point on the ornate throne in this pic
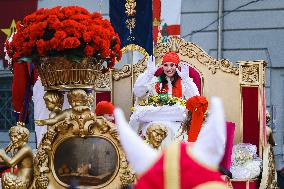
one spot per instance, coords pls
(240, 86)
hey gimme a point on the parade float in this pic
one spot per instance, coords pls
(84, 148)
(69, 47)
(240, 86)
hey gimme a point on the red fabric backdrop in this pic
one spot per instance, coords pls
(196, 78)
(226, 162)
(250, 115)
(103, 96)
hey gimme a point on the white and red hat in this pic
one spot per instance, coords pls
(104, 107)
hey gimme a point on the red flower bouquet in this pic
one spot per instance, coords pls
(65, 31)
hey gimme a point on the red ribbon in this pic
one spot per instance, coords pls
(197, 105)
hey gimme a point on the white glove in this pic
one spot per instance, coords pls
(184, 74)
(151, 66)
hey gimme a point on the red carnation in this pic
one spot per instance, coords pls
(89, 50)
(52, 31)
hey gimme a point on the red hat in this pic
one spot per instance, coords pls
(104, 107)
(171, 57)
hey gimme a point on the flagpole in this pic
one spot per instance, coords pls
(132, 75)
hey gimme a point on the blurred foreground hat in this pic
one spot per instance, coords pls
(104, 107)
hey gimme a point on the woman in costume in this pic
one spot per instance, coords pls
(171, 81)
(171, 85)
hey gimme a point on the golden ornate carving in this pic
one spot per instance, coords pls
(54, 101)
(134, 47)
(137, 68)
(269, 179)
(126, 174)
(60, 73)
(155, 135)
(41, 182)
(140, 67)
(122, 73)
(250, 74)
(22, 157)
(103, 80)
(78, 121)
(190, 50)
(269, 135)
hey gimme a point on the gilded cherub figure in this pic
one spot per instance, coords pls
(22, 157)
(54, 102)
(80, 102)
(155, 134)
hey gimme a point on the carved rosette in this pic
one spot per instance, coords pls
(190, 50)
(252, 72)
(103, 80)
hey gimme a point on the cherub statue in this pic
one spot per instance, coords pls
(54, 102)
(22, 157)
(80, 102)
(155, 134)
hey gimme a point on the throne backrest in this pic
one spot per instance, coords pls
(240, 86)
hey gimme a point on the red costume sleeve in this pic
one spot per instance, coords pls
(25, 76)
(19, 85)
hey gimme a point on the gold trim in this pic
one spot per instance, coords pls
(269, 175)
(103, 81)
(172, 166)
(61, 73)
(252, 74)
(134, 47)
(130, 69)
(191, 50)
(78, 121)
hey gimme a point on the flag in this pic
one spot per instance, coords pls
(132, 20)
(166, 18)
(10, 12)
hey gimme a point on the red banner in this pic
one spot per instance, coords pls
(12, 10)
